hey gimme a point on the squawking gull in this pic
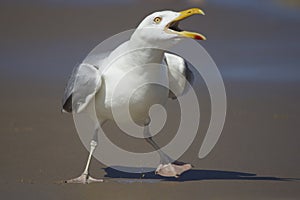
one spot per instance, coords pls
(155, 33)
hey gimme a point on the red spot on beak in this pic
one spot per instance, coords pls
(198, 37)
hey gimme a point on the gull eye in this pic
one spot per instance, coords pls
(157, 20)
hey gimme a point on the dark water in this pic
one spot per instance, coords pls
(250, 40)
(70, 3)
(272, 7)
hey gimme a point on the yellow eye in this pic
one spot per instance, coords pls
(157, 19)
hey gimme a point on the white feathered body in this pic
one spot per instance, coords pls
(125, 84)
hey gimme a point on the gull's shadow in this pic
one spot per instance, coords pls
(191, 175)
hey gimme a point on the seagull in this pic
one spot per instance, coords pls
(158, 31)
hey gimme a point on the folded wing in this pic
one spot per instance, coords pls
(82, 86)
(179, 75)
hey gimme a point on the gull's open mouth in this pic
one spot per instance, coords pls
(173, 26)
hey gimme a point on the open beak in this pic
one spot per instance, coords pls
(172, 27)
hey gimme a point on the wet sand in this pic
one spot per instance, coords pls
(257, 156)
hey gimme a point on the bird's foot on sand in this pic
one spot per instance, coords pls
(84, 179)
(172, 169)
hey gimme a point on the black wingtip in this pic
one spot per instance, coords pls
(67, 105)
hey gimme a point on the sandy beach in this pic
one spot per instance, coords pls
(257, 156)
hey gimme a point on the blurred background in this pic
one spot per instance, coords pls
(255, 44)
(50, 36)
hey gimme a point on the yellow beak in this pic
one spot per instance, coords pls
(185, 14)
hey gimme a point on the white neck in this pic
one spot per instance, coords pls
(142, 49)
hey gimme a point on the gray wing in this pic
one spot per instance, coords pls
(84, 82)
(180, 75)
(82, 86)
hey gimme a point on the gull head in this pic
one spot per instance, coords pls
(163, 27)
